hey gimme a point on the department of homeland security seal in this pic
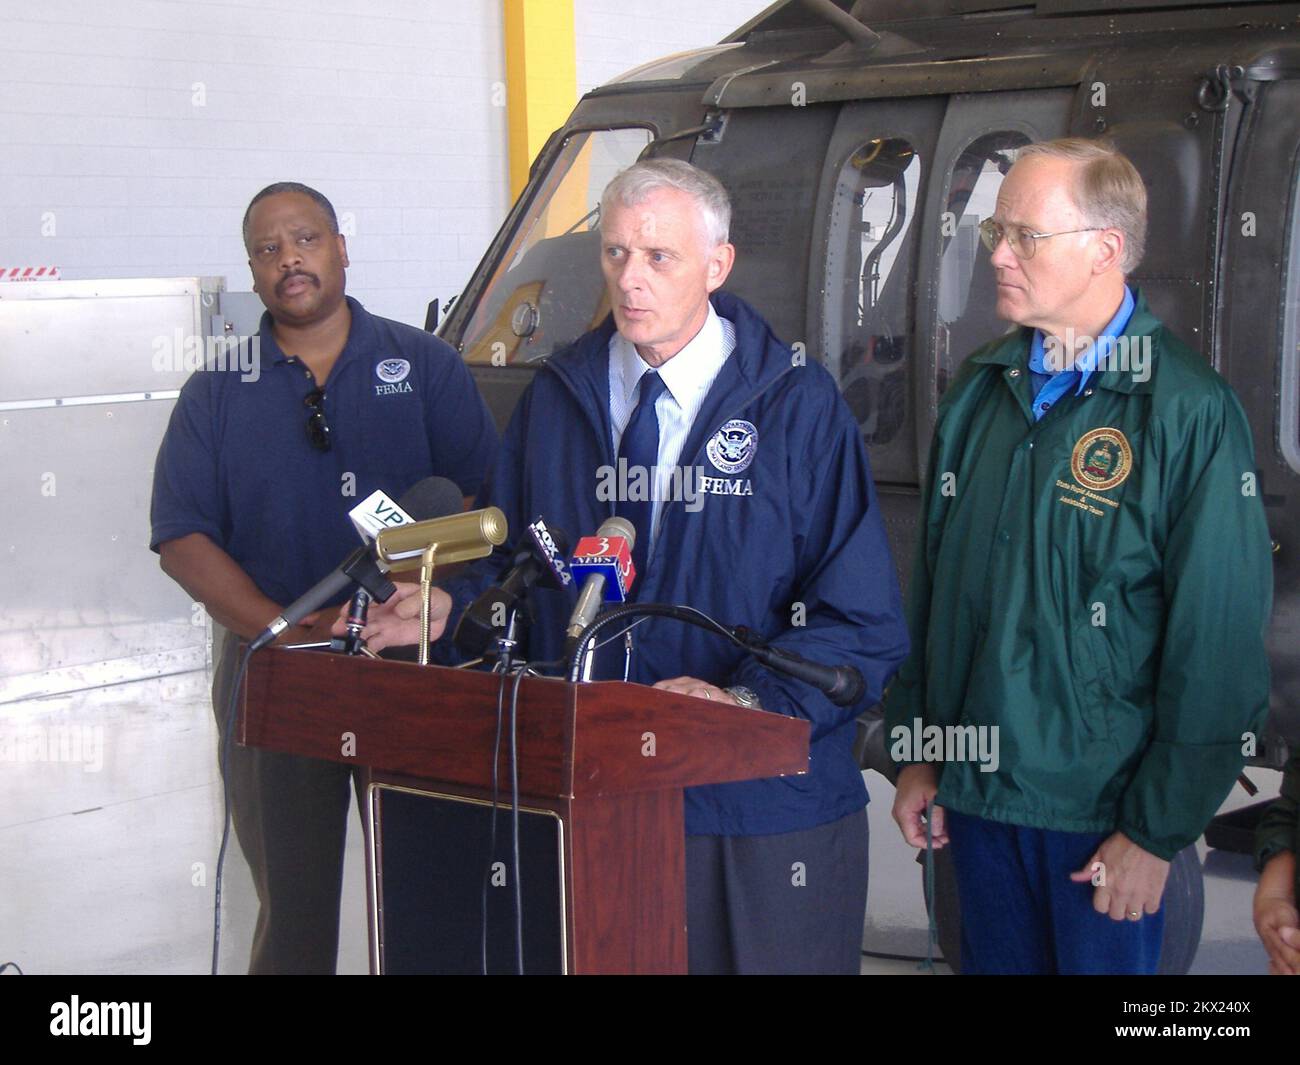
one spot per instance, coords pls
(733, 446)
(392, 371)
(1101, 459)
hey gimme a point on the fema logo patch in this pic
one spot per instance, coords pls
(392, 371)
(733, 446)
(1101, 459)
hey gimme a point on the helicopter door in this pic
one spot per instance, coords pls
(955, 295)
(860, 296)
(1260, 356)
(1260, 277)
(861, 286)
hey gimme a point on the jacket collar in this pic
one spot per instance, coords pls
(1012, 351)
(688, 374)
(759, 359)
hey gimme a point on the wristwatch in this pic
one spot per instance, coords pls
(745, 697)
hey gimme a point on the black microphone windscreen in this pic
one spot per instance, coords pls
(434, 497)
(550, 545)
(562, 541)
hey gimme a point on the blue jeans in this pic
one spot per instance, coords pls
(1021, 912)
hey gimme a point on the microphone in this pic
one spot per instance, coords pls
(377, 512)
(430, 497)
(358, 612)
(369, 517)
(540, 557)
(843, 685)
(605, 560)
(433, 497)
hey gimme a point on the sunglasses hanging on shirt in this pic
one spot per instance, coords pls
(318, 430)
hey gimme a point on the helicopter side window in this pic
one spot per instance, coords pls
(1290, 389)
(967, 295)
(876, 199)
(547, 289)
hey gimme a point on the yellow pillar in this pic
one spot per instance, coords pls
(541, 78)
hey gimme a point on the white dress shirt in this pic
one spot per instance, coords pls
(688, 376)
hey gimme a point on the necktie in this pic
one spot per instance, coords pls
(640, 448)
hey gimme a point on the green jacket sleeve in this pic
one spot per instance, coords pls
(1212, 687)
(1277, 829)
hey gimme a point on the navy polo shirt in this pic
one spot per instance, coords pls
(236, 463)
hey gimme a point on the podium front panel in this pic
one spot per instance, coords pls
(436, 868)
(601, 769)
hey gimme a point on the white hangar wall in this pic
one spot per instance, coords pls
(136, 132)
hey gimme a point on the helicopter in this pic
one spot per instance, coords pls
(862, 143)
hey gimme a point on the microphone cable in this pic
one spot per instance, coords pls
(645, 611)
(492, 838)
(842, 685)
(517, 675)
(514, 820)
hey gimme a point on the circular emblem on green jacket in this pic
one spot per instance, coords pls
(1101, 459)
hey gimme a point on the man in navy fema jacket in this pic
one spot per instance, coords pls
(764, 515)
(256, 475)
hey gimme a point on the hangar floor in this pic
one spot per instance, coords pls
(107, 857)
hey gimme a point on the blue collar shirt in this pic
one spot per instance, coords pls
(1051, 385)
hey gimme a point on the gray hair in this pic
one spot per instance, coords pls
(633, 185)
(1108, 190)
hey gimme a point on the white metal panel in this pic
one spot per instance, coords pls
(87, 384)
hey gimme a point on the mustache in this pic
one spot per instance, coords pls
(279, 285)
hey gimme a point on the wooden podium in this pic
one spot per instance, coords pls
(603, 763)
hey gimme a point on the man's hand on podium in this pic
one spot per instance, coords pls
(700, 689)
(396, 623)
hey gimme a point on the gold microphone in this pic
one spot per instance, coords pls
(439, 542)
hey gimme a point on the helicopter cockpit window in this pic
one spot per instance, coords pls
(869, 331)
(1290, 390)
(547, 289)
(967, 296)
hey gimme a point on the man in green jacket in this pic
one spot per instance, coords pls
(1091, 587)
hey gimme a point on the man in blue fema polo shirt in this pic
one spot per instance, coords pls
(252, 488)
(764, 514)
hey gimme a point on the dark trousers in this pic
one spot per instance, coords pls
(290, 816)
(1021, 912)
(788, 903)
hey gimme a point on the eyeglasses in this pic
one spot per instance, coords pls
(318, 430)
(1023, 241)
